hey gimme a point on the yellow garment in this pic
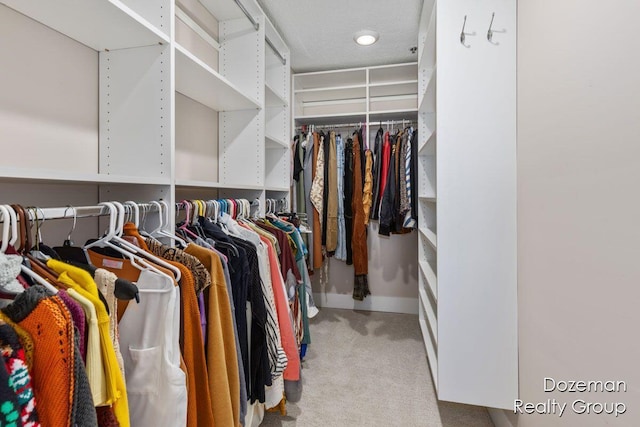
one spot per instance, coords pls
(332, 196)
(23, 336)
(94, 364)
(106, 282)
(82, 282)
(222, 360)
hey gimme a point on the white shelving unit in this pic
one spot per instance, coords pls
(129, 100)
(277, 89)
(466, 204)
(357, 95)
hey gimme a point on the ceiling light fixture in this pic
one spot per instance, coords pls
(366, 37)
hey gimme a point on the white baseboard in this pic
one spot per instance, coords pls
(370, 303)
(499, 418)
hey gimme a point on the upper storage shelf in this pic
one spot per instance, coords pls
(386, 92)
(203, 84)
(99, 24)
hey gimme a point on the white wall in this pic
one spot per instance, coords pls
(579, 202)
(48, 97)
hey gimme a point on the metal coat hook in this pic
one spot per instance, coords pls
(462, 36)
(490, 31)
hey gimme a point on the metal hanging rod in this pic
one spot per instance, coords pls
(256, 25)
(244, 10)
(278, 54)
(36, 213)
(358, 124)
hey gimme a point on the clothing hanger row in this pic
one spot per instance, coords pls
(212, 209)
(275, 205)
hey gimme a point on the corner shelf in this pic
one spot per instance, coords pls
(203, 84)
(431, 317)
(430, 277)
(273, 99)
(430, 236)
(101, 25)
(428, 100)
(428, 148)
(275, 142)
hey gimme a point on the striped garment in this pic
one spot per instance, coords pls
(409, 221)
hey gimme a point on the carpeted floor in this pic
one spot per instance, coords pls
(370, 369)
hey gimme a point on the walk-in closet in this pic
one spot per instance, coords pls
(243, 213)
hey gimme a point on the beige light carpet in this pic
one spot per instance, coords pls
(370, 369)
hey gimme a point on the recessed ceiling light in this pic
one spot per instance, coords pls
(366, 37)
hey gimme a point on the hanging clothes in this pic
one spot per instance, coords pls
(317, 227)
(332, 196)
(359, 241)
(308, 179)
(377, 172)
(341, 246)
(348, 197)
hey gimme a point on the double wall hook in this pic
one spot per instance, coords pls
(462, 36)
(490, 31)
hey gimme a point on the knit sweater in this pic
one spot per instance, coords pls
(83, 413)
(19, 376)
(9, 409)
(52, 371)
(82, 282)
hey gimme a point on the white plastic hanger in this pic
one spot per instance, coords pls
(105, 241)
(10, 216)
(164, 213)
(136, 250)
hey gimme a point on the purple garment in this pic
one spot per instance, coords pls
(79, 320)
(203, 317)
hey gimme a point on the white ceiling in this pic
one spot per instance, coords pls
(320, 32)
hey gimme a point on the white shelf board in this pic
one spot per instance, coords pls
(431, 352)
(325, 119)
(331, 88)
(430, 235)
(428, 99)
(429, 146)
(278, 189)
(428, 198)
(52, 176)
(403, 114)
(275, 142)
(394, 83)
(99, 24)
(274, 99)
(187, 183)
(432, 320)
(431, 277)
(331, 93)
(203, 84)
